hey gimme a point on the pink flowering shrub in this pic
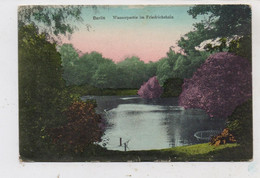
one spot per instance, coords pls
(150, 89)
(222, 83)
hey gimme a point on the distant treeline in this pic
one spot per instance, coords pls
(93, 69)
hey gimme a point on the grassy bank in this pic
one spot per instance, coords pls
(193, 153)
(199, 152)
(90, 90)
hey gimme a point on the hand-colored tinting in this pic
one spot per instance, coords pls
(148, 39)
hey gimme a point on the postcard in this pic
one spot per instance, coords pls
(135, 83)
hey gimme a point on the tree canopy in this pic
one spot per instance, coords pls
(69, 55)
(52, 20)
(224, 20)
(220, 21)
(40, 89)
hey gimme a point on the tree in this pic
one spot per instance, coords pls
(181, 67)
(40, 90)
(164, 70)
(85, 68)
(172, 57)
(222, 83)
(135, 70)
(151, 89)
(242, 47)
(222, 21)
(53, 20)
(194, 38)
(68, 55)
(122, 78)
(105, 76)
(151, 69)
(177, 65)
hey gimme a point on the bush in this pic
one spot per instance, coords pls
(222, 83)
(82, 129)
(150, 89)
(240, 123)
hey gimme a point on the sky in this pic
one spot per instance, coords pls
(116, 39)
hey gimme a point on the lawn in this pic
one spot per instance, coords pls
(194, 153)
(199, 152)
(90, 90)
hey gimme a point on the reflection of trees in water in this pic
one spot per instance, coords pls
(182, 125)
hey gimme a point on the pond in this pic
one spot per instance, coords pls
(143, 124)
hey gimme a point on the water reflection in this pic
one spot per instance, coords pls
(150, 124)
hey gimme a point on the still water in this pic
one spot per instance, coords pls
(150, 124)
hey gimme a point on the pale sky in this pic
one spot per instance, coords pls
(148, 39)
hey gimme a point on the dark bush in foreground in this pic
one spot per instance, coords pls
(83, 128)
(222, 83)
(240, 123)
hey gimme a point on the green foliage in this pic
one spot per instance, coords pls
(68, 55)
(52, 19)
(224, 20)
(105, 76)
(83, 69)
(165, 66)
(181, 67)
(172, 57)
(176, 65)
(151, 69)
(196, 62)
(43, 100)
(164, 71)
(172, 87)
(242, 47)
(240, 123)
(84, 90)
(40, 90)
(194, 38)
(95, 70)
(134, 72)
(217, 48)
